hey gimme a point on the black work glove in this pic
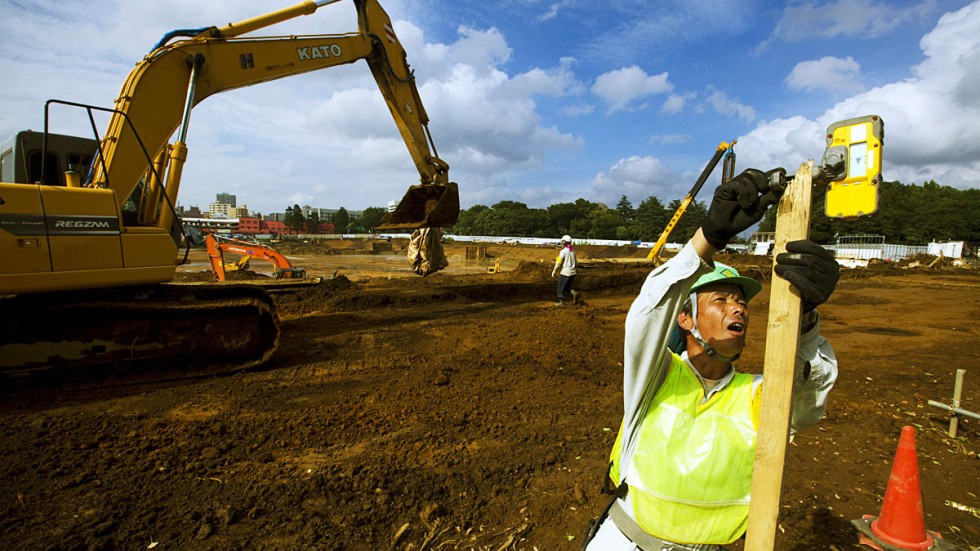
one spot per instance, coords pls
(737, 204)
(811, 269)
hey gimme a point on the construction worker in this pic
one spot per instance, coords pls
(567, 263)
(681, 467)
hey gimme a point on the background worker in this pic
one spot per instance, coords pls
(567, 263)
(681, 466)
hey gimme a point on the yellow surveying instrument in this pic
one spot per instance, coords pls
(851, 166)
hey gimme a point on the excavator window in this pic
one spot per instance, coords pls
(80, 163)
(7, 166)
(131, 207)
(52, 170)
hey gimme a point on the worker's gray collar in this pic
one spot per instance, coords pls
(721, 384)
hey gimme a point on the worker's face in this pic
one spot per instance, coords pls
(723, 318)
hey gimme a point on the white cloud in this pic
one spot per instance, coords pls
(299, 199)
(577, 110)
(724, 105)
(552, 12)
(860, 18)
(842, 18)
(634, 31)
(472, 111)
(932, 121)
(827, 73)
(350, 114)
(485, 51)
(952, 53)
(666, 139)
(621, 87)
(676, 103)
(160, 17)
(636, 177)
(780, 142)
(555, 82)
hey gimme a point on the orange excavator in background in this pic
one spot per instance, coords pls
(217, 247)
(89, 238)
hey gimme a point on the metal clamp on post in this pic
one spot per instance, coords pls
(777, 180)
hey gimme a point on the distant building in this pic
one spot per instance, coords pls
(762, 243)
(308, 210)
(208, 225)
(248, 225)
(189, 212)
(327, 214)
(228, 217)
(227, 198)
(221, 210)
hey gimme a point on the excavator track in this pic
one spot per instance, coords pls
(158, 331)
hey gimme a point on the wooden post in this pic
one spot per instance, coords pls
(782, 336)
(954, 421)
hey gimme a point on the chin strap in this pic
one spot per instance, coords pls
(708, 349)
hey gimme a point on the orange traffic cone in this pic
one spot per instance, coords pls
(901, 524)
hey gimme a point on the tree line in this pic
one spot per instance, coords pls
(340, 222)
(907, 214)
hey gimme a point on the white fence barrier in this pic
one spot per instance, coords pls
(951, 249)
(851, 247)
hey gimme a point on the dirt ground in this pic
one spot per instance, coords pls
(465, 411)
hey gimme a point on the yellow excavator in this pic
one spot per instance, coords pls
(89, 237)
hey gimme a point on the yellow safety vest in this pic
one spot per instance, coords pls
(692, 468)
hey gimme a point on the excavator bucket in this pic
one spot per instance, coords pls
(425, 206)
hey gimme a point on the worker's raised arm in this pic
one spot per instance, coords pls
(737, 205)
(701, 246)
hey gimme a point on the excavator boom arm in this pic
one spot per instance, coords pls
(152, 103)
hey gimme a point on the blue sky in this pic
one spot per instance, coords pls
(538, 101)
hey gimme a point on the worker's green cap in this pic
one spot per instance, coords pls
(727, 274)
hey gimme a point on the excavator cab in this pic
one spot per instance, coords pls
(425, 206)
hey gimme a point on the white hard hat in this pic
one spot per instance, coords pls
(566, 238)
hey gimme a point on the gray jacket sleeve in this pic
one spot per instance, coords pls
(814, 377)
(810, 393)
(648, 325)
